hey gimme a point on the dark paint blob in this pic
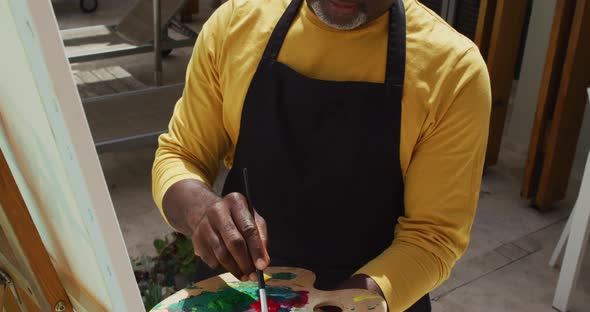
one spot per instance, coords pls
(286, 276)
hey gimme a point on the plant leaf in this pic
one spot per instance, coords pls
(159, 244)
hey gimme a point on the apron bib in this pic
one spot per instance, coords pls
(323, 160)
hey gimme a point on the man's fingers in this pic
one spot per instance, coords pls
(237, 247)
(226, 259)
(210, 247)
(234, 238)
(261, 223)
(201, 239)
(256, 251)
(245, 223)
(222, 222)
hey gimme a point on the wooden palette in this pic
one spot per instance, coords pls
(287, 288)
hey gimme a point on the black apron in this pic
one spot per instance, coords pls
(323, 160)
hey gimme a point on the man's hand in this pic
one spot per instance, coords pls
(222, 229)
(361, 281)
(226, 235)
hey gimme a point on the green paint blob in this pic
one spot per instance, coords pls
(286, 276)
(225, 299)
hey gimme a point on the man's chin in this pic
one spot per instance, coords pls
(339, 18)
(341, 22)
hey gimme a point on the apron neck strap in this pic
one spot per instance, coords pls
(280, 32)
(396, 46)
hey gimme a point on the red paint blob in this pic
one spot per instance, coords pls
(297, 302)
(284, 305)
(273, 306)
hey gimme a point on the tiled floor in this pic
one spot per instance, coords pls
(519, 282)
(504, 269)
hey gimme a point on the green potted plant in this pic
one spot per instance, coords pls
(174, 268)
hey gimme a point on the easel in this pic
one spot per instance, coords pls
(63, 241)
(14, 295)
(576, 234)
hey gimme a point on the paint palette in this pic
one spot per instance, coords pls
(288, 289)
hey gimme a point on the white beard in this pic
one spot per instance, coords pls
(359, 20)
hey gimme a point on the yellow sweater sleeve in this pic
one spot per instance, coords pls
(196, 138)
(442, 185)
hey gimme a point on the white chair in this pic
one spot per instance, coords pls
(578, 230)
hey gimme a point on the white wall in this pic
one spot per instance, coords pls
(525, 100)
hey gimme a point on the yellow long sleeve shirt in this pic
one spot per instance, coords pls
(445, 117)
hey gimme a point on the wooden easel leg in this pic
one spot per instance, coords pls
(3, 290)
(28, 237)
(10, 303)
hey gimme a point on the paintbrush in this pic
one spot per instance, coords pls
(261, 285)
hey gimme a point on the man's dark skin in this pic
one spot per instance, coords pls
(223, 231)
